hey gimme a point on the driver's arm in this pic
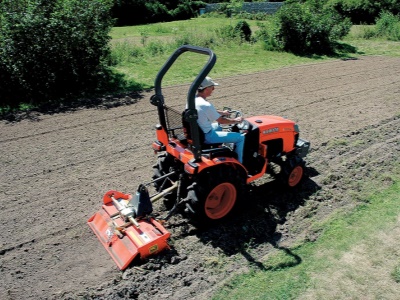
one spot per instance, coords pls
(224, 113)
(229, 121)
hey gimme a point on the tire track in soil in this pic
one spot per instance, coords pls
(46, 248)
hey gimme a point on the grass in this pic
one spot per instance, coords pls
(140, 51)
(356, 257)
(378, 46)
(363, 37)
(396, 273)
(194, 25)
(247, 59)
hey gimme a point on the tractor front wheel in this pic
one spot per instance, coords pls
(292, 172)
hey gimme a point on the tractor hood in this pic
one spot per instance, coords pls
(272, 124)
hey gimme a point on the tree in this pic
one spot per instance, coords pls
(364, 11)
(134, 12)
(235, 6)
(309, 28)
(52, 49)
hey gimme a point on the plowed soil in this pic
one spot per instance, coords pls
(55, 169)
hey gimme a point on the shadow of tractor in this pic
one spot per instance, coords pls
(265, 207)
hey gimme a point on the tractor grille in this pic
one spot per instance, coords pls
(173, 119)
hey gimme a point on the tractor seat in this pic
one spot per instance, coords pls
(187, 132)
(211, 151)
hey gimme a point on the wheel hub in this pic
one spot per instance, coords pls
(295, 176)
(220, 200)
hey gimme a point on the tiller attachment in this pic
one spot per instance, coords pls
(125, 229)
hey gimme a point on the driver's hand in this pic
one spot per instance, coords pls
(225, 113)
(238, 120)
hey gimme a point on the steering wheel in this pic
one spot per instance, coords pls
(244, 125)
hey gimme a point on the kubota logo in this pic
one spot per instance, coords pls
(272, 130)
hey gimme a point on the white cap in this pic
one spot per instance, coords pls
(207, 82)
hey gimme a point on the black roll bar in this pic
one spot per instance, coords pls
(191, 114)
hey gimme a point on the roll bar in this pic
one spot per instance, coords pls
(191, 114)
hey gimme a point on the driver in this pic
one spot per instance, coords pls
(209, 119)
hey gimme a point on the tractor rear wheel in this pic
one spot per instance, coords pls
(164, 165)
(216, 194)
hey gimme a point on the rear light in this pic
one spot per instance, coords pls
(158, 146)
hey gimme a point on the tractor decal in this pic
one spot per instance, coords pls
(271, 130)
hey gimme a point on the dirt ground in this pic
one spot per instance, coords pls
(56, 167)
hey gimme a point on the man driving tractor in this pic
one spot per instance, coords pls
(209, 119)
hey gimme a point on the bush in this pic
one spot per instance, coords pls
(207, 40)
(388, 26)
(231, 8)
(259, 16)
(155, 48)
(53, 49)
(367, 32)
(127, 52)
(135, 12)
(241, 32)
(186, 9)
(227, 33)
(244, 31)
(266, 36)
(309, 29)
(364, 11)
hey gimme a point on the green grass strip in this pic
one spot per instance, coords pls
(138, 52)
(290, 272)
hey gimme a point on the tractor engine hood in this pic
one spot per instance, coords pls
(272, 124)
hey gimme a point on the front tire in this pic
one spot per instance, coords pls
(292, 172)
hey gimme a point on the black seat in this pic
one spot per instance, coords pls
(209, 151)
(188, 135)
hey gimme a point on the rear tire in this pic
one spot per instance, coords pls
(215, 194)
(165, 164)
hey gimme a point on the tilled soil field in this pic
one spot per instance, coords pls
(55, 169)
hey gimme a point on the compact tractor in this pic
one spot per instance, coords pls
(205, 181)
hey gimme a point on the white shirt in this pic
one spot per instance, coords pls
(207, 114)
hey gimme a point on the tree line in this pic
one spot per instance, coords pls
(134, 12)
(54, 50)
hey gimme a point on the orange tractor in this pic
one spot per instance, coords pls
(205, 181)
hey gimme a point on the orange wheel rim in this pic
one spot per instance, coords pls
(220, 201)
(295, 176)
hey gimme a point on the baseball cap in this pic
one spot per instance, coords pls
(207, 82)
